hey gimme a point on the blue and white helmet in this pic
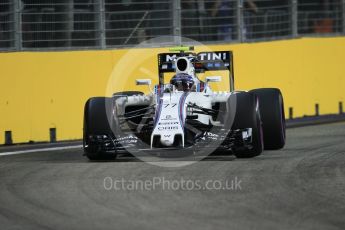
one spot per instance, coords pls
(182, 82)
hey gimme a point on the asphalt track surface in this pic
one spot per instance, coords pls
(300, 187)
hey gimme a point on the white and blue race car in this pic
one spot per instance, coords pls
(185, 114)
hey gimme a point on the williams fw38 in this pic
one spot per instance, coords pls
(185, 115)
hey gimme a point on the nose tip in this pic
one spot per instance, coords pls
(167, 142)
(167, 139)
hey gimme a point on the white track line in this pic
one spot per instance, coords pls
(41, 150)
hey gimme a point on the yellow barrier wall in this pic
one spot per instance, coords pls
(42, 90)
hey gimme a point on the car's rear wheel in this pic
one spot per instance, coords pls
(272, 116)
(247, 115)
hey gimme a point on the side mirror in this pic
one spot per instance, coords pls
(213, 79)
(143, 82)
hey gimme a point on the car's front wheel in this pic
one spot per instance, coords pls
(272, 116)
(97, 133)
(247, 115)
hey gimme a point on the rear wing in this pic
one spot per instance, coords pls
(204, 61)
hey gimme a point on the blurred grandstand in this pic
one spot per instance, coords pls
(87, 24)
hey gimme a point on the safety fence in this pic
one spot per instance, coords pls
(75, 24)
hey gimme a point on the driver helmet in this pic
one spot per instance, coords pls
(182, 82)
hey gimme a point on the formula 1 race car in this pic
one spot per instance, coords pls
(185, 114)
